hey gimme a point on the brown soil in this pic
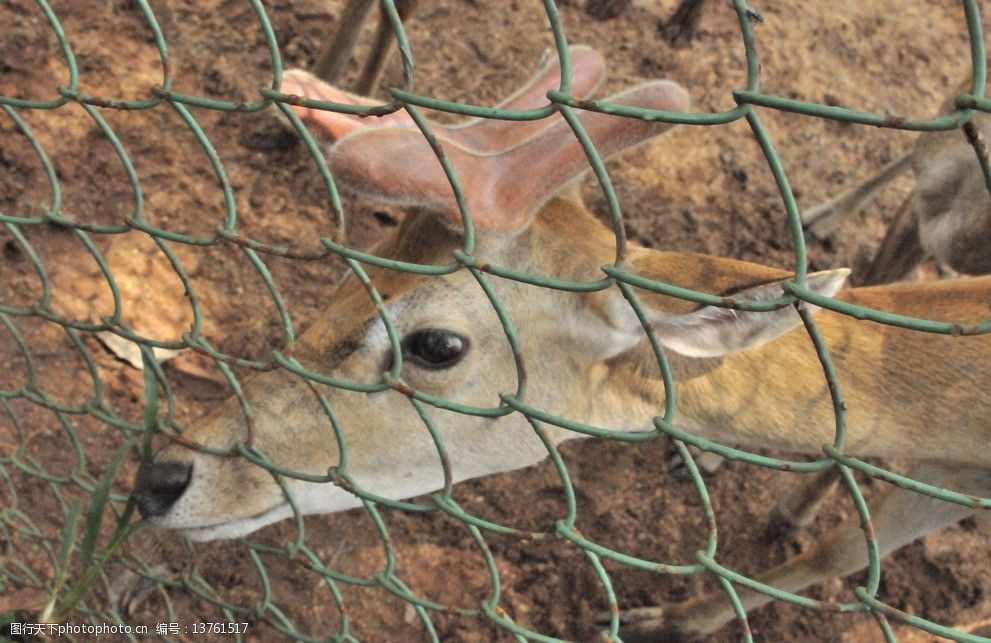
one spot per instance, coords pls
(700, 189)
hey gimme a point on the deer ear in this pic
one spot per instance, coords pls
(714, 331)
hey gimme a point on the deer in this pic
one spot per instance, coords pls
(747, 378)
(947, 216)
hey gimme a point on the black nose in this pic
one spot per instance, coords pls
(158, 485)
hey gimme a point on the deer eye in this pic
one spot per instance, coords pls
(433, 348)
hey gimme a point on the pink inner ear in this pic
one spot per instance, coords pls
(483, 134)
(504, 190)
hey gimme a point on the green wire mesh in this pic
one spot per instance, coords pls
(69, 545)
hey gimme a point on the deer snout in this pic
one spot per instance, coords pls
(158, 485)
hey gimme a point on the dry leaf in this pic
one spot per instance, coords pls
(153, 299)
(129, 352)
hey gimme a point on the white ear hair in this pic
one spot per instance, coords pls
(713, 331)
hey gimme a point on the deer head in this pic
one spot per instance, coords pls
(586, 354)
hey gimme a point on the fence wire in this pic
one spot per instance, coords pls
(76, 561)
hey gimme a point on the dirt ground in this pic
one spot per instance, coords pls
(703, 189)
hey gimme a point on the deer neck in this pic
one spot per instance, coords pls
(907, 394)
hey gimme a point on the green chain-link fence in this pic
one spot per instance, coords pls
(77, 574)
